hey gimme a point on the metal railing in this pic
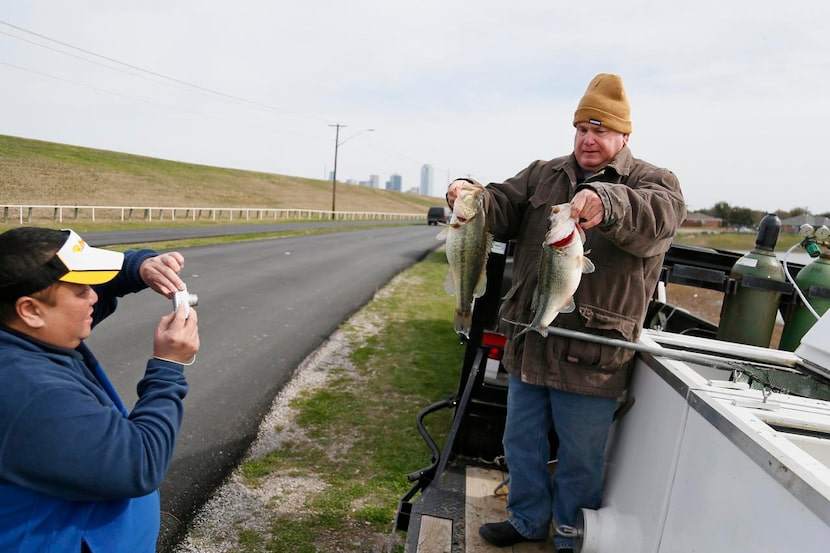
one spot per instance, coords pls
(29, 213)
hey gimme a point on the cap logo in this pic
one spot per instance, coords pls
(596, 122)
(79, 246)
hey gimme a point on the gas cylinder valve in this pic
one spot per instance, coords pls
(823, 235)
(809, 239)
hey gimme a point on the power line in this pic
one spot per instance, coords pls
(143, 70)
(93, 62)
(154, 76)
(136, 99)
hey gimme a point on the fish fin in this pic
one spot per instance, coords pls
(543, 332)
(535, 303)
(481, 285)
(444, 233)
(587, 265)
(569, 307)
(463, 322)
(581, 233)
(526, 328)
(449, 284)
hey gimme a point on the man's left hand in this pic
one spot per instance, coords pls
(587, 209)
(161, 273)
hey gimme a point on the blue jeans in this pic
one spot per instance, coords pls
(582, 425)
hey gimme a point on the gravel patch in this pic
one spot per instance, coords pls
(236, 505)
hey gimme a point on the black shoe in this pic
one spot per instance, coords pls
(502, 534)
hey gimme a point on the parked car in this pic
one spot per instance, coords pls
(438, 214)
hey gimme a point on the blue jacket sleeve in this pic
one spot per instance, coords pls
(68, 442)
(127, 281)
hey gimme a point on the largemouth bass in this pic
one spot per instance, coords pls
(468, 247)
(561, 267)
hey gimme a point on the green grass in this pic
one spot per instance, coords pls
(360, 436)
(732, 241)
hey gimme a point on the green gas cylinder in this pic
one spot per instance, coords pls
(755, 285)
(814, 282)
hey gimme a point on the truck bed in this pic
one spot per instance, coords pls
(482, 504)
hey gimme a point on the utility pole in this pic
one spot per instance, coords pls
(334, 173)
(337, 144)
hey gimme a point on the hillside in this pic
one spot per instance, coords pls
(37, 172)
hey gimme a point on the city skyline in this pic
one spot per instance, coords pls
(395, 182)
(427, 177)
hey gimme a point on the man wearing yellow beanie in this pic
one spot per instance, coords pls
(630, 211)
(605, 104)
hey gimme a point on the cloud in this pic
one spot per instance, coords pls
(728, 95)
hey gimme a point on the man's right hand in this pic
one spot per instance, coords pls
(455, 187)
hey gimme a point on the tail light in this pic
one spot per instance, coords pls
(494, 344)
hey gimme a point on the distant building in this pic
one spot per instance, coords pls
(395, 183)
(426, 179)
(373, 181)
(701, 220)
(794, 223)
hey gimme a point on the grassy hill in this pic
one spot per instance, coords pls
(37, 172)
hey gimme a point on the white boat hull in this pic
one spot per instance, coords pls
(697, 467)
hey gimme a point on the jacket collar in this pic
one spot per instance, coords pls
(34, 342)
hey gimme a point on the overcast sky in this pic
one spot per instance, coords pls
(730, 95)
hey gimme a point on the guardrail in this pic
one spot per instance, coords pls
(28, 213)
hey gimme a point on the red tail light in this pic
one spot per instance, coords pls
(494, 344)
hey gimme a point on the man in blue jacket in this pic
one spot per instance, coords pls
(78, 473)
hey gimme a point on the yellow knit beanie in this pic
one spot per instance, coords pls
(605, 103)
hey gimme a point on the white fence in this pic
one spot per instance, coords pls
(59, 213)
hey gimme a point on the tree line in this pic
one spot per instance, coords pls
(734, 216)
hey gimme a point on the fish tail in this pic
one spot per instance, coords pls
(463, 322)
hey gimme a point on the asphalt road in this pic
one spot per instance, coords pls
(263, 307)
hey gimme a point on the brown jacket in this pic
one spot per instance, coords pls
(644, 206)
